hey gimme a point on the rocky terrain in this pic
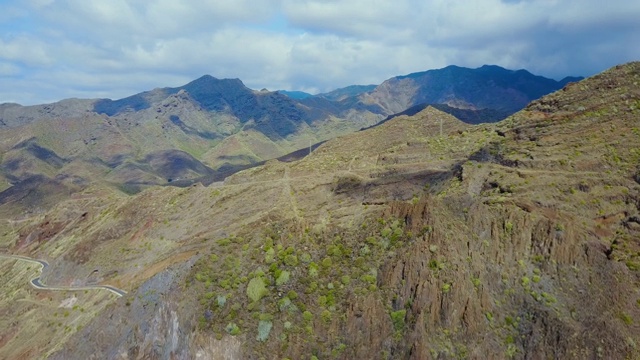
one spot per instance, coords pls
(423, 238)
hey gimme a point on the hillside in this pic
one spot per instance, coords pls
(200, 132)
(508, 240)
(345, 92)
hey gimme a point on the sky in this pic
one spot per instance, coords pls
(56, 49)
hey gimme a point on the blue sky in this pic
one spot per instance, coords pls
(55, 49)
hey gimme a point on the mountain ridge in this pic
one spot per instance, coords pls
(487, 87)
(219, 123)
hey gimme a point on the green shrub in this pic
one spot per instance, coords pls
(264, 329)
(508, 227)
(326, 316)
(307, 316)
(305, 258)
(397, 318)
(270, 256)
(283, 278)
(368, 278)
(291, 260)
(396, 235)
(446, 288)
(489, 316)
(433, 264)
(626, 318)
(232, 329)
(313, 269)
(633, 266)
(225, 284)
(284, 303)
(311, 288)
(334, 250)
(256, 289)
(345, 279)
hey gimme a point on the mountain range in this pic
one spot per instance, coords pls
(209, 128)
(423, 237)
(452, 213)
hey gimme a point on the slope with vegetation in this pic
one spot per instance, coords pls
(514, 240)
(423, 237)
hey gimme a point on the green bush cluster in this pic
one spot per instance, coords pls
(289, 284)
(397, 318)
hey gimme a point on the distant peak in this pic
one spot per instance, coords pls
(209, 81)
(204, 79)
(494, 68)
(450, 67)
(571, 79)
(488, 66)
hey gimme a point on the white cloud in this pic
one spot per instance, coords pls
(8, 69)
(54, 49)
(26, 50)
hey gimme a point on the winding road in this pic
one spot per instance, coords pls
(37, 283)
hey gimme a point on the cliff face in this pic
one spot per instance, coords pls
(421, 238)
(534, 254)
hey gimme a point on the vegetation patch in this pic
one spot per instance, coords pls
(293, 276)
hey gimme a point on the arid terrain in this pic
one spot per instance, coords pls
(421, 238)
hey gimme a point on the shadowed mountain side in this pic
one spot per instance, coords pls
(468, 116)
(272, 113)
(345, 92)
(12, 115)
(297, 95)
(37, 194)
(487, 87)
(41, 153)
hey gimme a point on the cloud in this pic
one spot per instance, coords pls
(25, 50)
(51, 49)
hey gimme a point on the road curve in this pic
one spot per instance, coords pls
(37, 283)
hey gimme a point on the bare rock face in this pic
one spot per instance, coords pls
(520, 290)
